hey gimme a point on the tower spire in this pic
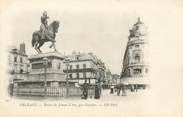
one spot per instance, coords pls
(139, 19)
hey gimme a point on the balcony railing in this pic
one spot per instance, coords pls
(136, 41)
(135, 64)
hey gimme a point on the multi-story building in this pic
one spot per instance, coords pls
(18, 62)
(115, 78)
(108, 77)
(85, 68)
(135, 62)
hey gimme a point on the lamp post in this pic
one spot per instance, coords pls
(67, 80)
(45, 70)
(100, 79)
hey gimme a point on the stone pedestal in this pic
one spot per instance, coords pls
(46, 77)
(53, 65)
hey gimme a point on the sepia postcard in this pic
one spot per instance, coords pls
(82, 58)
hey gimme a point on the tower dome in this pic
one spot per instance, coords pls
(139, 29)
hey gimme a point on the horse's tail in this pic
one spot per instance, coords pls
(34, 39)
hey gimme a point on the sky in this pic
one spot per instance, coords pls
(101, 31)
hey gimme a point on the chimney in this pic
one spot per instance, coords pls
(22, 48)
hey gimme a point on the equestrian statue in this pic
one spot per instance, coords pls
(47, 33)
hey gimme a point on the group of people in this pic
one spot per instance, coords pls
(86, 87)
(118, 89)
(123, 88)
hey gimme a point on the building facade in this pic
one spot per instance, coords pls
(108, 77)
(18, 62)
(135, 62)
(85, 68)
(115, 79)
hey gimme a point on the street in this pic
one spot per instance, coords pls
(105, 96)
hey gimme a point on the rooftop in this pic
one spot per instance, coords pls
(15, 50)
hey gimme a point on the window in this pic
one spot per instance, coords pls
(77, 75)
(77, 58)
(15, 59)
(70, 67)
(84, 75)
(59, 65)
(137, 71)
(70, 75)
(137, 58)
(77, 66)
(21, 60)
(21, 70)
(84, 66)
(49, 65)
(147, 70)
(137, 46)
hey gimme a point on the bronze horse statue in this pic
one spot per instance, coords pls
(37, 42)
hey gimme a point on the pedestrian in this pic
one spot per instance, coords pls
(118, 90)
(112, 89)
(97, 92)
(85, 91)
(123, 90)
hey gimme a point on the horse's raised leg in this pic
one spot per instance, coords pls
(39, 50)
(40, 44)
(36, 50)
(36, 47)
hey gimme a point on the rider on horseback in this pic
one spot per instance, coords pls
(47, 33)
(44, 27)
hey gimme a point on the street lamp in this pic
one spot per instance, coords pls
(67, 80)
(45, 63)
